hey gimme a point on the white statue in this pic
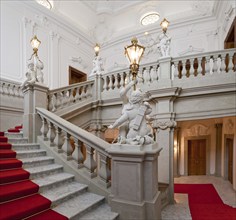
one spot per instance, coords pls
(135, 129)
(34, 73)
(97, 66)
(164, 45)
(30, 74)
(39, 68)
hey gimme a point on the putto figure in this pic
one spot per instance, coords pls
(132, 122)
(97, 66)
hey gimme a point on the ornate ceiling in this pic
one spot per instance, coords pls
(106, 20)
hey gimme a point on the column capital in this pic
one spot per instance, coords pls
(163, 125)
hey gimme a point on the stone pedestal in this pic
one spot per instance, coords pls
(135, 192)
(34, 96)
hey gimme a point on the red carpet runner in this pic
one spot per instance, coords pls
(205, 203)
(19, 198)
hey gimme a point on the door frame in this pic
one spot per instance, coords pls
(207, 138)
(226, 155)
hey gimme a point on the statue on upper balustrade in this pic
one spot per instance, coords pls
(98, 67)
(164, 44)
(133, 121)
(34, 73)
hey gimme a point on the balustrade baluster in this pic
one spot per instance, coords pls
(77, 154)
(83, 95)
(223, 66)
(104, 172)
(50, 102)
(59, 139)
(122, 80)
(218, 64)
(211, 65)
(76, 97)
(44, 129)
(199, 67)
(146, 75)
(191, 70)
(109, 83)
(105, 83)
(71, 96)
(116, 83)
(231, 65)
(66, 147)
(90, 163)
(207, 65)
(58, 100)
(153, 74)
(51, 133)
(215, 64)
(184, 70)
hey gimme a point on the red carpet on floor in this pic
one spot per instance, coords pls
(205, 203)
(19, 196)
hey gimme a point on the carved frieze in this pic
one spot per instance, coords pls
(163, 125)
(197, 130)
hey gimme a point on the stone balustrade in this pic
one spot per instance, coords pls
(10, 88)
(68, 139)
(69, 95)
(203, 64)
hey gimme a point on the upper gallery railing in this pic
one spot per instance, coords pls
(150, 76)
(66, 96)
(10, 88)
(69, 139)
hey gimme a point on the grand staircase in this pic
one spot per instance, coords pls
(34, 187)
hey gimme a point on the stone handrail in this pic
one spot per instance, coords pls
(66, 96)
(69, 139)
(10, 88)
(201, 64)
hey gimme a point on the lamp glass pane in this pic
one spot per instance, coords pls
(35, 43)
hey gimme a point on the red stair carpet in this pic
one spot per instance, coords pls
(19, 198)
(205, 203)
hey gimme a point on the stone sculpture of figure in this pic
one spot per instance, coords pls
(39, 68)
(164, 45)
(134, 114)
(97, 66)
(30, 74)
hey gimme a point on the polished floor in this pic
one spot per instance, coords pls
(180, 210)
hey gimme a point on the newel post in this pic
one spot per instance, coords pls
(165, 71)
(34, 96)
(134, 192)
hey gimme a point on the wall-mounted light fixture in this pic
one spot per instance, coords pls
(134, 53)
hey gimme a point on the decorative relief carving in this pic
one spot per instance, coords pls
(228, 14)
(229, 127)
(197, 130)
(163, 125)
(191, 49)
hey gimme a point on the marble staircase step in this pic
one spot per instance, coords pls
(37, 161)
(13, 135)
(41, 171)
(76, 207)
(55, 180)
(30, 153)
(65, 192)
(102, 212)
(25, 146)
(18, 140)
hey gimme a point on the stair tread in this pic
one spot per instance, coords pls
(10, 163)
(35, 159)
(7, 176)
(30, 151)
(40, 169)
(102, 212)
(63, 191)
(50, 179)
(75, 206)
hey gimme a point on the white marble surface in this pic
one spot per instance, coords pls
(37, 161)
(65, 191)
(75, 207)
(17, 140)
(25, 146)
(13, 135)
(102, 212)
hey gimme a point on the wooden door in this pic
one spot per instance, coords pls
(229, 145)
(197, 157)
(76, 76)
